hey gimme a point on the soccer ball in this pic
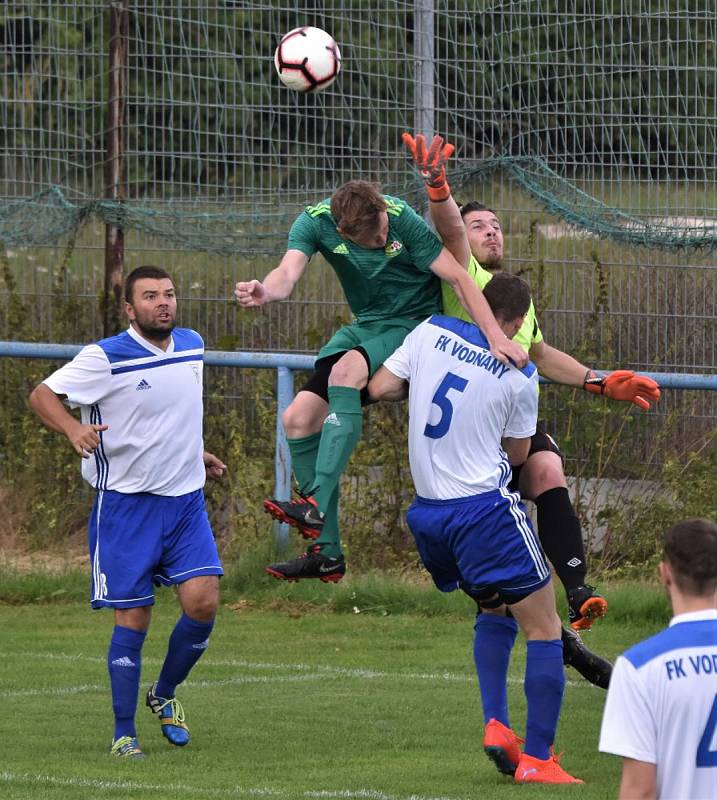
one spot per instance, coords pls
(307, 59)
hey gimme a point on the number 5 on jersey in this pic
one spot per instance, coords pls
(440, 399)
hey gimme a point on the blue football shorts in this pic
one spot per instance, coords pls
(141, 540)
(482, 544)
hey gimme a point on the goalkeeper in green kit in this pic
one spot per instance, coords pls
(390, 265)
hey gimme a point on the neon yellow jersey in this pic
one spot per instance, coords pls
(529, 333)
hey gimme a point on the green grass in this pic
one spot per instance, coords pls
(299, 701)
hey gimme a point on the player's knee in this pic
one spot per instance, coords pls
(351, 370)
(298, 420)
(545, 627)
(203, 608)
(541, 472)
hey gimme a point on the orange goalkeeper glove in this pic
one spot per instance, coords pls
(431, 163)
(623, 384)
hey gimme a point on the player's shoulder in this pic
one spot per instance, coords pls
(121, 347)
(685, 635)
(317, 211)
(395, 207)
(187, 339)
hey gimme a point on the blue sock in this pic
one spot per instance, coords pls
(124, 662)
(544, 685)
(494, 639)
(188, 641)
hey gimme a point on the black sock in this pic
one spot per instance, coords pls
(561, 536)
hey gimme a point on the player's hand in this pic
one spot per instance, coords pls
(214, 467)
(85, 439)
(625, 385)
(250, 294)
(431, 162)
(507, 350)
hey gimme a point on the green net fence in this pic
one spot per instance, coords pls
(603, 114)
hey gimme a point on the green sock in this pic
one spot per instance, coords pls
(330, 539)
(340, 434)
(303, 460)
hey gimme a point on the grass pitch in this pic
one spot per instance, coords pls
(295, 702)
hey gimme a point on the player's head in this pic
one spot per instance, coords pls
(509, 299)
(359, 210)
(485, 236)
(151, 302)
(690, 558)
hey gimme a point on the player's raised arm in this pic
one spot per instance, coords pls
(277, 285)
(431, 162)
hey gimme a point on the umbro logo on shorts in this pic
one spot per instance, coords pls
(142, 385)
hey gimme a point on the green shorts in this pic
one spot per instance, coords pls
(377, 339)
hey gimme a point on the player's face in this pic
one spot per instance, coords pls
(485, 238)
(373, 239)
(153, 310)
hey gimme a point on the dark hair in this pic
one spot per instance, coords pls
(474, 205)
(508, 296)
(355, 207)
(690, 548)
(156, 273)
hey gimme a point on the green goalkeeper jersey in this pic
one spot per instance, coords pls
(529, 333)
(384, 283)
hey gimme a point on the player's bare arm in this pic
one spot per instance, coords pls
(471, 298)
(639, 780)
(516, 449)
(85, 439)
(386, 386)
(556, 365)
(277, 285)
(622, 384)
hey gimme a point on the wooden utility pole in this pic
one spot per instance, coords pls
(115, 170)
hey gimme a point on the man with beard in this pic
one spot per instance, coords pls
(137, 392)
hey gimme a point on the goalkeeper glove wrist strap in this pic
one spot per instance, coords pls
(439, 194)
(594, 383)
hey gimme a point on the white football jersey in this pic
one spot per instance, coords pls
(151, 399)
(461, 402)
(661, 707)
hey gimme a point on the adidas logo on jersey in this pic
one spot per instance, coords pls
(341, 249)
(142, 385)
(332, 419)
(124, 661)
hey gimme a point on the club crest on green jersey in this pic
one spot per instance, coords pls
(393, 248)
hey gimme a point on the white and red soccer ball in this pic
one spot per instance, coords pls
(307, 59)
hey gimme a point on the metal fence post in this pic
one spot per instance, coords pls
(425, 57)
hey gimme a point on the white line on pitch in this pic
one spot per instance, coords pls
(197, 791)
(315, 669)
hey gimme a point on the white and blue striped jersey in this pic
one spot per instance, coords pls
(151, 399)
(461, 402)
(661, 706)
